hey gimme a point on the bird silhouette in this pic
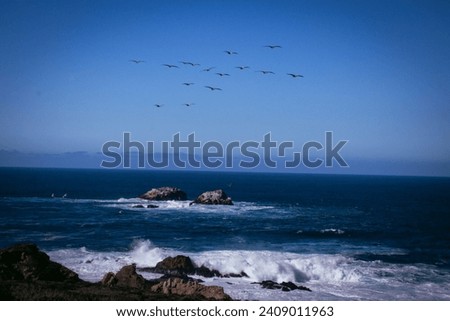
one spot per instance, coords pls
(266, 72)
(136, 61)
(272, 46)
(188, 104)
(208, 69)
(295, 75)
(189, 63)
(171, 66)
(230, 52)
(188, 83)
(242, 67)
(213, 88)
(158, 105)
(221, 74)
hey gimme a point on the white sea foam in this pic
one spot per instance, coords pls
(332, 231)
(145, 254)
(330, 276)
(133, 203)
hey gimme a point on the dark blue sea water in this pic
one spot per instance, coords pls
(345, 237)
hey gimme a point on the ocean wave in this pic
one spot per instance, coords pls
(258, 265)
(330, 276)
(332, 231)
(135, 203)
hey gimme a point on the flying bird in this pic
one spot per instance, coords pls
(221, 74)
(158, 105)
(242, 67)
(230, 52)
(171, 66)
(189, 63)
(272, 46)
(295, 75)
(208, 69)
(266, 72)
(188, 104)
(213, 88)
(136, 61)
(188, 83)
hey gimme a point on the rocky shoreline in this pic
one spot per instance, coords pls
(26, 273)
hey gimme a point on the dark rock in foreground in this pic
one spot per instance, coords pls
(28, 274)
(126, 277)
(26, 263)
(165, 194)
(180, 286)
(283, 286)
(217, 197)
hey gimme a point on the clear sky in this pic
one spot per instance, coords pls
(376, 73)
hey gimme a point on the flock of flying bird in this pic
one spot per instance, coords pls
(221, 74)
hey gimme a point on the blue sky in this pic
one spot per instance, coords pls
(376, 73)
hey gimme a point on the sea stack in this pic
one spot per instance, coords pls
(217, 197)
(165, 194)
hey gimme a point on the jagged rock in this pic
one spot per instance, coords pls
(180, 264)
(283, 286)
(179, 286)
(126, 277)
(217, 197)
(108, 279)
(152, 206)
(165, 194)
(25, 262)
(207, 272)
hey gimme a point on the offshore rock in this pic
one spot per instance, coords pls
(283, 286)
(165, 194)
(180, 266)
(144, 206)
(217, 197)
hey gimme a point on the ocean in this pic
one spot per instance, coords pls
(344, 237)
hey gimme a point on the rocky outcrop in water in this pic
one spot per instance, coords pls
(283, 286)
(217, 197)
(144, 206)
(182, 266)
(165, 194)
